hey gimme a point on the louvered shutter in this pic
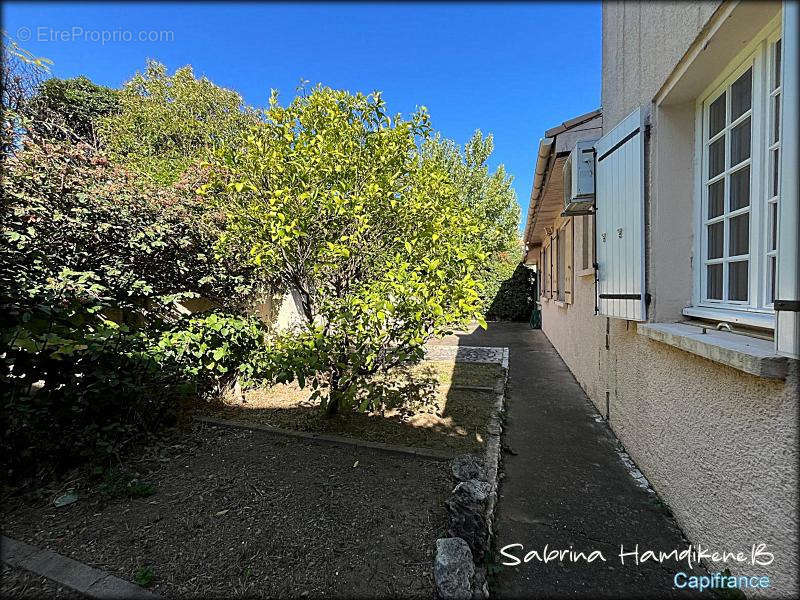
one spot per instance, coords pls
(787, 301)
(568, 260)
(619, 225)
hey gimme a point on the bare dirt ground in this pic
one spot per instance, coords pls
(19, 583)
(425, 407)
(238, 513)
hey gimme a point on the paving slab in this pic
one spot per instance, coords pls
(566, 485)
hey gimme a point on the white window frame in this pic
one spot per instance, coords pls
(754, 311)
(767, 198)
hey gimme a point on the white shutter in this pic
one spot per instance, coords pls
(619, 224)
(787, 299)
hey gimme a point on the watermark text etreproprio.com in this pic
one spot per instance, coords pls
(101, 36)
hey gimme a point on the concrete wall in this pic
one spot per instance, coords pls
(720, 446)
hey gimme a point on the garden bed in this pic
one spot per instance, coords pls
(223, 512)
(444, 405)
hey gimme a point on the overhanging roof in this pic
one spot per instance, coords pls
(547, 196)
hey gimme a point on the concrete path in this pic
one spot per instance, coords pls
(566, 486)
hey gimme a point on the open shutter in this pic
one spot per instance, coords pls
(619, 225)
(787, 299)
(554, 265)
(546, 268)
(568, 248)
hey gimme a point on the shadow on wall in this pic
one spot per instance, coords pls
(516, 298)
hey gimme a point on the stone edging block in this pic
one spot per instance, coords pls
(93, 583)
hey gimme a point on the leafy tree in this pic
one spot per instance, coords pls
(69, 215)
(166, 122)
(490, 198)
(69, 109)
(331, 198)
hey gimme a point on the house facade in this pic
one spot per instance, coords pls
(673, 297)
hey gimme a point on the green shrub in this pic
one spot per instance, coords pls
(516, 296)
(214, 351)
(73, 391)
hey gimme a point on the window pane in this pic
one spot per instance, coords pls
(741, 96)
(776, 164)
(716, 116)
(771, 291)
(716, 157)
(740, 188)
(776, 76)
(773, 225)
(716, 238)
(737, 280)
(776, 121)
(716, 198)
(715, 282)
(739, 240)
(740, 142)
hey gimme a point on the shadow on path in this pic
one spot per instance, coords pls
(565, 486)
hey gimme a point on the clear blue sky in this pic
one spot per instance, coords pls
(511, 69)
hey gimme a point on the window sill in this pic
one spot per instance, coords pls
(560, 303)
(751, 319)
(748, 354)
(585, 272)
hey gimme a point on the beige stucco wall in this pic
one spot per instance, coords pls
(720, 446)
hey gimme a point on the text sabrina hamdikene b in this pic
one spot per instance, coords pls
(757, 555)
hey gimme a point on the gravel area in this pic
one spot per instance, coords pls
(19, 583)
(240, 513)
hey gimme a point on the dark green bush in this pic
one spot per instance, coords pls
(515, 298)
(76, 391)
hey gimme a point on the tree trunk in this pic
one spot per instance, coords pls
(334, 393)
(333, 405)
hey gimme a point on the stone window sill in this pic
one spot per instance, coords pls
(749, 354)
(585, 272)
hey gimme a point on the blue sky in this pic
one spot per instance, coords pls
(512, 69)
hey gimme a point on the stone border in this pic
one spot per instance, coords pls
(457, 573)
(493, 444)
(333, 439)
(75, 575)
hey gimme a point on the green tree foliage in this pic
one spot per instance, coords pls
(94, 258)
(331, 198)
(92, 261)
(68, 213)
(516, 295)
(167, 122)
(69, 109)
(490, 198)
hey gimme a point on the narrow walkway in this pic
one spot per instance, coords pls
(565, 486)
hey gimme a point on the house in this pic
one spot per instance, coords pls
(672, 294)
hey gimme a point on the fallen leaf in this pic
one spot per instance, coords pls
(65, 499)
